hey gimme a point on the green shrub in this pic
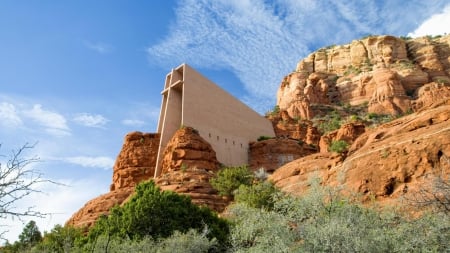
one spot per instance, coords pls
(338, 146)
(259, 230)
(156, 213)
(229, 179)
(323, 220)
(60, 239)
(258, 195)
(263, 138)
(330, 122)
(191, 242)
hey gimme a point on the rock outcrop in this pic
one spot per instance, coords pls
(95, 208)
(188, 165)
(347, 132)
(383, 71)
(384, 163)
(274, 153)
(297, 129)
(135, 163)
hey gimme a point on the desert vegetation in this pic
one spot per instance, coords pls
(262, 219)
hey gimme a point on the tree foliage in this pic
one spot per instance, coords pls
(29, 237)
(338, 146)
(258, 195)
(158, 214)
(30, 234)
(228, 179)
(60, 239)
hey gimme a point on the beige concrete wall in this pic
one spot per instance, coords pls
(221, 119)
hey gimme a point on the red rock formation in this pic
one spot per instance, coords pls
(382, 163)
(188, 165)
(431, 94)
(274, 153)
(95, 208)
(300, 130)
(383, 70)
(389, 96)
(291, 96)
(135, 163)
(347, 132)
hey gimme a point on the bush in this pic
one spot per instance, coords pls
(156, 213)
(331, 122)
(263, 138)
(258, 195)
(190, 242)
(338, 146)
(258, 230)
(60, 239)
(324, 220)
(229, 179)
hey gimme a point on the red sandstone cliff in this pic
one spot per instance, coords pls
(382, 162)
(384, 71)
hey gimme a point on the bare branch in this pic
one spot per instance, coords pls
(19, 179)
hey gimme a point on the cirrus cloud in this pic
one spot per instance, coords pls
(53, 122)
(102, 162)
(90, 120)
(261, 41)
(9, 116)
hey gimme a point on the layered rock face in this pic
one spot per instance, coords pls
(274, 153)
(135, 163)
(384, 163)
(347, 132)
(383, 71)
(300, 130)
(189, 163)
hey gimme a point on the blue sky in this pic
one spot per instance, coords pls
(76, 76)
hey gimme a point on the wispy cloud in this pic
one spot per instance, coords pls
(435, 25)
(260, 42)
(99, 47)
(141, 114)
(9, 116)
(133, 122)
(90, 120)
(101, 162)
(53, 122)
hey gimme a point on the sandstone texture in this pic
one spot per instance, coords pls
(95, 208)
(189, 163)
(383, 71)
(297, 129)
(384, 163)
(348, 133)
(135, 163)
(274, 153)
